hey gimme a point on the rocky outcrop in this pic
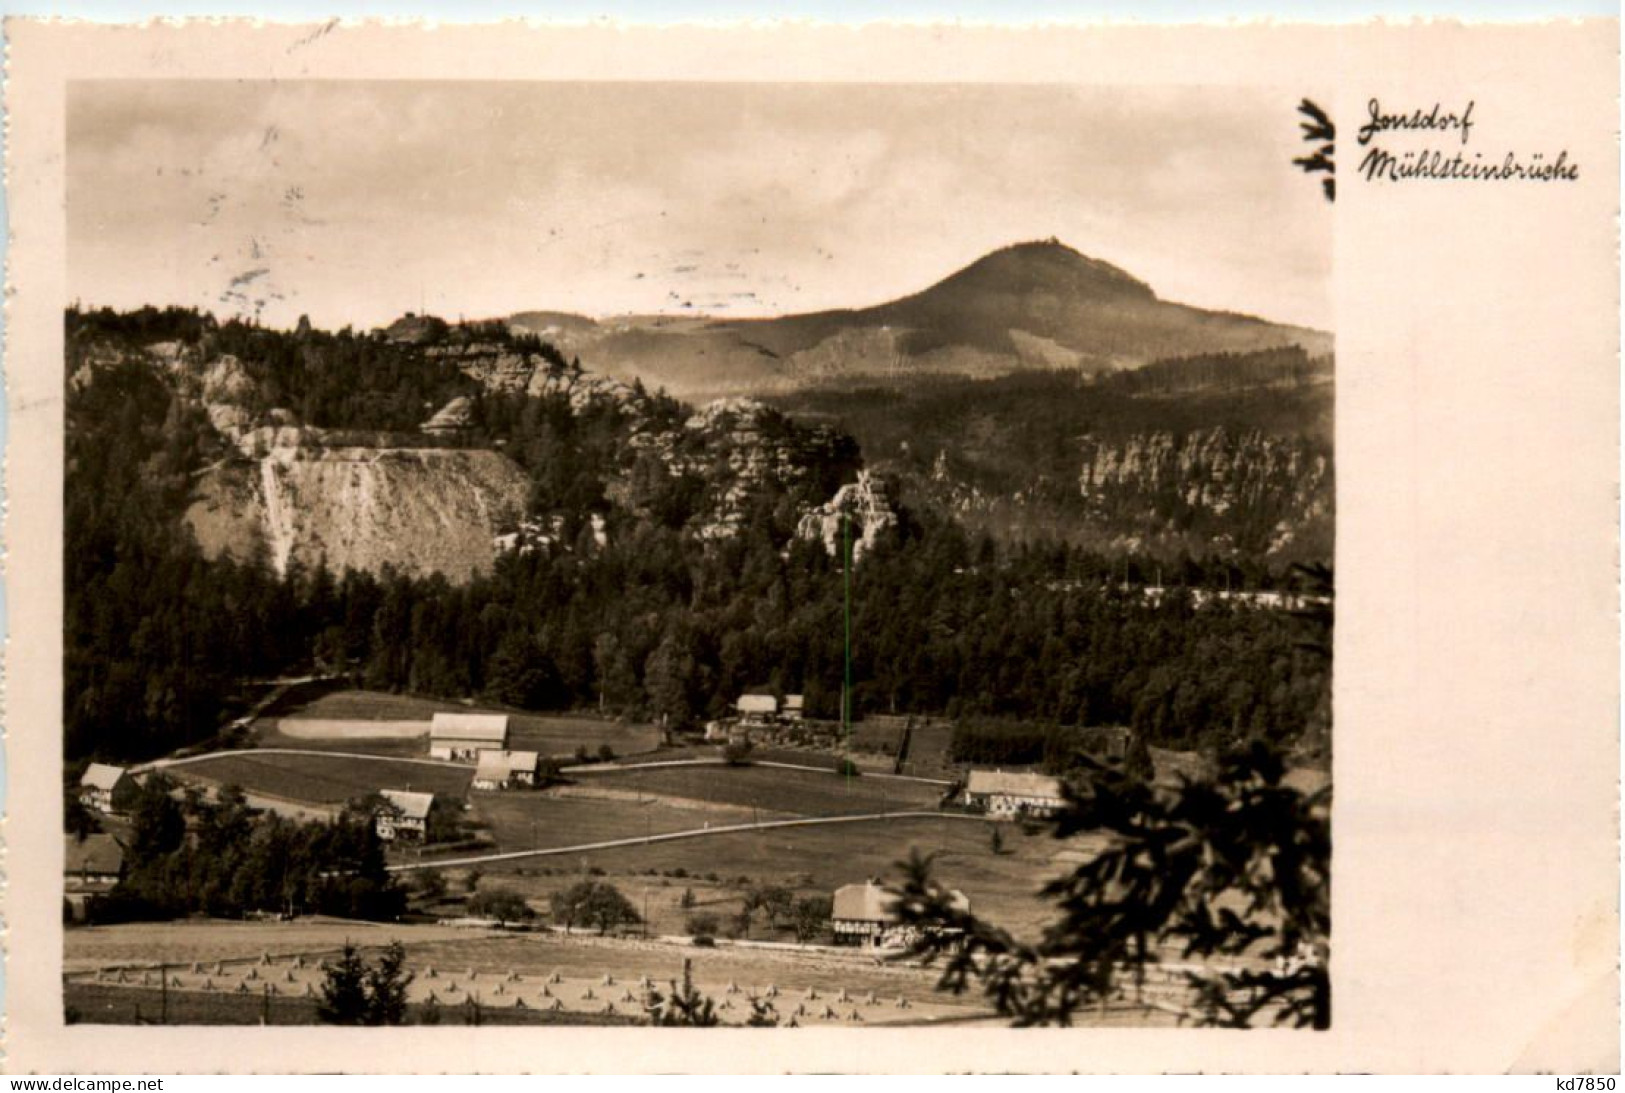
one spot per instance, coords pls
(742, 449)
(501, 367)
(421, 511)
(1248, 484)
(860, 512)
(452, 418)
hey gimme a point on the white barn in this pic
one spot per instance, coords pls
(1014, 794)
(757, 707)
(461, 737)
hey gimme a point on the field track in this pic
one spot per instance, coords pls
(606, 768)
(162, 764)
(583, 768)
(673, 836)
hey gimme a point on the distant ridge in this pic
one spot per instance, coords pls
(1032, 305)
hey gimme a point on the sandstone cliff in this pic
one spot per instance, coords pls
(419, 510)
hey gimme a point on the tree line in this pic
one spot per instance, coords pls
(189, 854)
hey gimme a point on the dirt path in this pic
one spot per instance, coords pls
(603, 768)
(161, 764)
(673, 836)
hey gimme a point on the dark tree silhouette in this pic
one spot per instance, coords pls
(1320, 131)
(1231, 865)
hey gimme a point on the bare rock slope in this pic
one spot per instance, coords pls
(420, 510)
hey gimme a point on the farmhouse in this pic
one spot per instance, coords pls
(105, 788)
(794, 707)
(462, 736)
(1013, 794)
(863, 915)
(403, 815)
(757, 709)
(93, 863)
(501, 769)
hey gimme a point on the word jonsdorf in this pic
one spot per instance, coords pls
(1434, 119)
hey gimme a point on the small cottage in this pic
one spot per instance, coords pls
(863, 915)
(502, 769)
(403, 815)
(93, 863)
(105, 788)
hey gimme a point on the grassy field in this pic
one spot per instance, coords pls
(580, 956)
(928, 752)
(375, 706)
(521, 821)
(99, 1004)
(561, 736)
(325, 779)
(876, 737)
(580, 974)
(558, 736)
(810, 861)
(140, 943)
(802, 793)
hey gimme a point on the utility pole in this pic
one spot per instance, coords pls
(846, 683)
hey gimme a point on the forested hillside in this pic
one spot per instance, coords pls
(659, 569)
(1226, 457)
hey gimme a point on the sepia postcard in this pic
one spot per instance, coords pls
(784, 548)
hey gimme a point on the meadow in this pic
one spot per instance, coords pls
(802, 793)
(324, 779)
(379, 723)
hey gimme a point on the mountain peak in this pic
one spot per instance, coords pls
(1048, 266)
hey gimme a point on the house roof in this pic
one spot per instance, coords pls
(412, 806)
(504, 764)
(758, 704)
(469, 726)
(1013, 783)
(869, 902)
(99, 853)
(101, 776)
(793, 702)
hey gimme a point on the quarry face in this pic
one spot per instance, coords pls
(419, 510)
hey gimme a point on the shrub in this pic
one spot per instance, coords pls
(703, 925)
(594, 903)
(502, 904)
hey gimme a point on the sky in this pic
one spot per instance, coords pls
(355, 202)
